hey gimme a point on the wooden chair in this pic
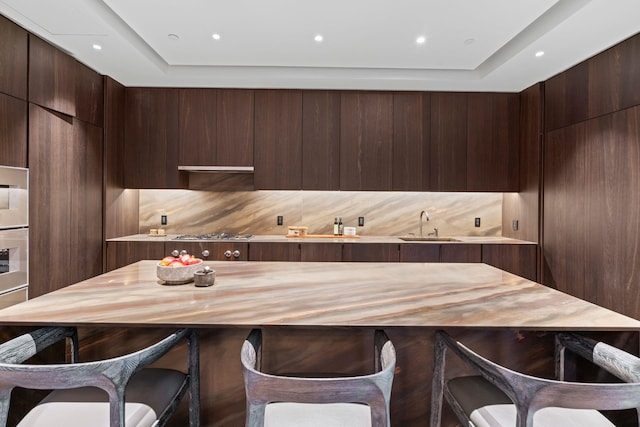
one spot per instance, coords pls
(93, 393)
(502, 397)
(294, 401)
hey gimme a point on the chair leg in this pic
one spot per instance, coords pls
(194, 379)
(437, 385)
(5, 402)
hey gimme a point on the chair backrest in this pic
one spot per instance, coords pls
(530, 394)
(373, 390)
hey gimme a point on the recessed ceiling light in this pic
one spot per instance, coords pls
(318, 38)
(173, 36)
(421, 40)
(539, 53)
(97, 47)
(216, 36)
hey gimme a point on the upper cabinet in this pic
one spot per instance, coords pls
(410, 166)
(13, 59)
(89, 96)
(278, 140)
(151, 139)
(366, 135)
(216, 127)
(52, 77)
(13, 131)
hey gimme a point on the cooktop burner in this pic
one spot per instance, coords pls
(214, 236)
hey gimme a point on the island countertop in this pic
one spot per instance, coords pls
(250, 294)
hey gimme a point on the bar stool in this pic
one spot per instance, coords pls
(502, 397)
(274, 400)
(93, 393)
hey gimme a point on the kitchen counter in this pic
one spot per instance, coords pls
(253, 294)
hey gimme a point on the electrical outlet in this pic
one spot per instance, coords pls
(477, 222)
(163, 219)
(360, 221)
(514, 225)
(280, 220)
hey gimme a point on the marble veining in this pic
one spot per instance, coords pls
(248, 294)
(255, 212)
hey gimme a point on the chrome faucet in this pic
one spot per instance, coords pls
(426, 215)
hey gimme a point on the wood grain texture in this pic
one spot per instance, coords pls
(235, 127)
(461, 253)
(13, 131)
(320, 140)
(417, 252)
(52, 77)
(448, 142)
(411, 141)
(366, 135)
(89, 96)
(14, 56)
(120, 254)
(316, 252)
(374, 252)
(197, 127)
(274, 251)
(517, 259)
(278, 140)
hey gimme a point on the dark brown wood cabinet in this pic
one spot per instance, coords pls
(120, 254)
(371, 252)
(52, 77)
(216, 127)
(274, 251)
(89, 96)
(419, 252)
(13, 131)
(517, 259)
(320, 252)
(151, 139)
(411, 120)
(14, 56)
(366, 136)
(320, 140)
(278, 140)
(65, 238)
(492, 142)
(467, 252)
(448, 142)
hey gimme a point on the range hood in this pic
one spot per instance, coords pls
(217, 169)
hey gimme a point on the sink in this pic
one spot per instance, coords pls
(428, 239)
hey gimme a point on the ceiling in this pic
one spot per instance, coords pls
(469, 45)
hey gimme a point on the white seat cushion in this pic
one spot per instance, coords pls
(148, 393)
(487, 406)
(286, 414)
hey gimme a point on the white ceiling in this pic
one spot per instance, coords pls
(471, 45)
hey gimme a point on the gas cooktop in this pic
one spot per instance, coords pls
(214, 236)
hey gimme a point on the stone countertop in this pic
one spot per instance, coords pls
(255, 294)
(359, 239)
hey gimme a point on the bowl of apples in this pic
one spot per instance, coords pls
(178, 269)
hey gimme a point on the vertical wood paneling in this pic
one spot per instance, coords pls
(448, 142)
(13, 131)
(120, 254)
(410, 141)
(325, 252)
(89, 96)
(14, 55)
(274, 251)
(419, 252)
(366, 135)
(197, 123)
(320, 140)
(371, 252)
(235, 122)
(461, 253)
(516, 259)
(278, 140)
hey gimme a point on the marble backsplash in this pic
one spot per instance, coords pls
(385, 213)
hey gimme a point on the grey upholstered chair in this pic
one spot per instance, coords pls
(502, 397)
(294, 401)
(93, 393)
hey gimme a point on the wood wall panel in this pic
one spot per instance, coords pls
(89, 96)
(366, 135)
(411, 141)
(320, 140)
(278, 140)
(14, 56)
(13, 131)
(448, 142)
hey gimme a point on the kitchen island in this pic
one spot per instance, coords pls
(308, 309)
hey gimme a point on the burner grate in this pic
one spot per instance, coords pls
(214, 236)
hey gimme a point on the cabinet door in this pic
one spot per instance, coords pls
(120, 254)
(419, 252)
(366, 133)
(371, 252)
(218, 251)
(321, 140)
(197, 123)
(274, 251)
(89, 96)
(410, 141)
(323, 252)
(278, 140)
(234, 130)
(14, 54)
(461, 252)
(52, 77)
(13, 131)
(516, 259)
(492, 142)
(448, 142)
(151, 139)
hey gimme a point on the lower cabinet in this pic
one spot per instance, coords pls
(120, 254)
(371, 252)
(516, 259)
(419, 252)
(274, 251)
(321, 252)
(467, 252)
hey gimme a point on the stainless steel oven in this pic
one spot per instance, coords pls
(14, 235)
